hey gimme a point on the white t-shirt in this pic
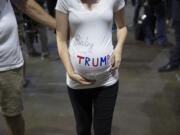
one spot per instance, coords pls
(10, 51)
(90, 44)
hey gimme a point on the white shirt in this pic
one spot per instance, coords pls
(10, 51)
(90, 44)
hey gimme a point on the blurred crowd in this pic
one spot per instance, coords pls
(156, 14)
(33, 35)
(151, 20)
(32, 31)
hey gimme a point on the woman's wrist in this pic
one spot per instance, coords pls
(118, 49)
(70, 73)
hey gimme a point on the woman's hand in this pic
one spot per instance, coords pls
(115, 59)
(78, 78)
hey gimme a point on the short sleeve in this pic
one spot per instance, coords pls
(118, 4)
(62, 6)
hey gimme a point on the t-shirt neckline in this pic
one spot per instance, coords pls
(90, 10)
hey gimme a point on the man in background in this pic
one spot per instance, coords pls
(174, 60)
(11, 60)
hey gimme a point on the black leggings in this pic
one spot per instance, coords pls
(95, 105)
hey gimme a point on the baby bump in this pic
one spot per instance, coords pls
(91, 66)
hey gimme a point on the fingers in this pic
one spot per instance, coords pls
(82, 80)
(85, 82)
(115, 62)
(112, 61)
(116, 65)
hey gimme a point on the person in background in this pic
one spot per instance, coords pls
(138, 6)
(168, 6)
(90, 59)
(35, 32)
(155, 11)
(11, 60)
(174, 59)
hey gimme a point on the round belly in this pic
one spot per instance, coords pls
(90, 66)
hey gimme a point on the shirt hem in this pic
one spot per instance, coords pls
(112, 80)
(11, 67)
(91, 87)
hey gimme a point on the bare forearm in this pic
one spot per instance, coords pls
(64, 55)
(32, 9)
(121, 37)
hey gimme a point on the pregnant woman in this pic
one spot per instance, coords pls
(90, 59)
